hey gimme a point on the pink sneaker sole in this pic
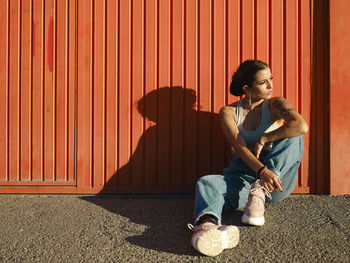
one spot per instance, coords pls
(255, 221)
(213, 242)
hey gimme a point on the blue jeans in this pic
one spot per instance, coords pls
(218, 193)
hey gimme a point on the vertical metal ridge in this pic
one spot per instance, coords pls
(30, 84)
(19, 90)
(104, 74)
(225, 68)
(66, 94)
(131, 88)
(240, 31)
(130, 84)
(117, 97)
(75, 164)
(311, 24)
(171, 59)
(183, 42)
(156, 78)
(299, 62)
(284, 63)
(255, 30)
(54, 95)
(170, 43)
(197, 79)
(42, 112)
(91, 97)
(7, 108)
(299, 54)
(326, 185)
(143, 10)
(314, 62)
(211, 54)
(270, 34)
(226, 52)
(211, 80)
(183, 82)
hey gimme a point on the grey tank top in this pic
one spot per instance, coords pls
(266, 124)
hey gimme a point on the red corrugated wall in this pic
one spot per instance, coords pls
(122, 96)
(37, 93)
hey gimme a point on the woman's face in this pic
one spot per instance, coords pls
(262, 85)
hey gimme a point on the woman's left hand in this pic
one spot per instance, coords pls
(271, 181)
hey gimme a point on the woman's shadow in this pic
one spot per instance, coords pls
(182, 145)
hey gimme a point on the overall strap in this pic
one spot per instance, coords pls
(239, 113)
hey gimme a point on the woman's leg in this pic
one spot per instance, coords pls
(210, 191)
(284, 160)
(218, 193)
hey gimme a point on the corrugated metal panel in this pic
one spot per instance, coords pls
(38, 88)
(156, 86)
(151, 78)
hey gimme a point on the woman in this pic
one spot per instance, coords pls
(251, 125)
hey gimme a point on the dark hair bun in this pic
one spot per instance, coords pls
(236, 86)
(245, 75)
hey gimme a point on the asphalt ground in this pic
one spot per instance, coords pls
(68, 228)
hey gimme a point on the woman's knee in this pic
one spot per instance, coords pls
(285, 154)
(209, 179)
(213, 181)
(294, 144)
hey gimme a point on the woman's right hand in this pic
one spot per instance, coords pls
(271, 181)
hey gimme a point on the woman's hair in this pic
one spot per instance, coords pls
(245, 75)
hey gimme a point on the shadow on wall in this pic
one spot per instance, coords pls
(180, 143)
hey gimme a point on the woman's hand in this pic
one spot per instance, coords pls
(271, 181)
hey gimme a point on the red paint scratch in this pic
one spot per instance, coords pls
(50, 45)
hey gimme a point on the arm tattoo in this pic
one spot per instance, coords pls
(283, 109)
(226, 117)
(225, 112)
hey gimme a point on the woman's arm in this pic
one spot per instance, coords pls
(294, 126)
(230, 129)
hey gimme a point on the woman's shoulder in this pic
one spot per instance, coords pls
(276, 106)
(230, 107)
(233, 104)
(229, 110)
(275, 101)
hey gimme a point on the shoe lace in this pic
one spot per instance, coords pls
(267, 193)
(260, 187)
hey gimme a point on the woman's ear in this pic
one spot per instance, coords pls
(245, 88)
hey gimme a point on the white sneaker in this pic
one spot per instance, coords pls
(210, 239)
(255, 208)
